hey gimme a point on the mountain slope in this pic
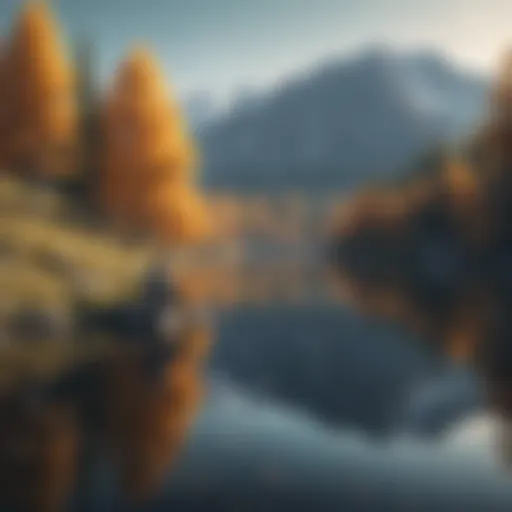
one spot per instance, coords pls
(346, 122)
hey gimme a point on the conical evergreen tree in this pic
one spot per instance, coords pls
(148, 155)
(4, 109)
(40, 96)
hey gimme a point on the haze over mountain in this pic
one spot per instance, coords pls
(343, 123)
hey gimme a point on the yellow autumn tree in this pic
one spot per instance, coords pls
(148, 156)
(4, 143)
(40, 115)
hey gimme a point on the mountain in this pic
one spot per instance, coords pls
(343, 123)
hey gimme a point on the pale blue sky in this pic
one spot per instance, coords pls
(223, 44)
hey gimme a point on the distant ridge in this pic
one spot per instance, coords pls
(343, 123)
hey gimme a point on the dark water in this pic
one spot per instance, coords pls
(303, 401)
(322, 357)
(245, 452)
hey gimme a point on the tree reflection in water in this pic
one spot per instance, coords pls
(127, 389)
(435, 254)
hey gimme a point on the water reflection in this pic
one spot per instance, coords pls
(434, 254)
(103, 350)
(122, 386)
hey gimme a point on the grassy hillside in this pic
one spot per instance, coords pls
(51, 254)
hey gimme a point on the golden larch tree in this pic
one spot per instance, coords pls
(41, 111)
(4, 126)
(148, 155)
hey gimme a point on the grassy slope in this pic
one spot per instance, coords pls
(46, 249)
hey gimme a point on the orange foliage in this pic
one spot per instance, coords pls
(178, 213)
(149, 416)
(145, 415)
(148, 156)
(40, 117)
